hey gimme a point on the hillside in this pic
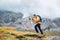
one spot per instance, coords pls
(10, 33)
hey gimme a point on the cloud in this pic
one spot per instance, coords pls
(45, 8)
(10, 1)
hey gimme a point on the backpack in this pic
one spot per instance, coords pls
(40, 18)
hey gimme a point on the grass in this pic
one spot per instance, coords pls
(10, 33)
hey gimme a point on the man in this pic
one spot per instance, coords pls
(37, 20)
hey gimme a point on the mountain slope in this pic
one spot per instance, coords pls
(9, 16)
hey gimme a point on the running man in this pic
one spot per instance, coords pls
(37, 20)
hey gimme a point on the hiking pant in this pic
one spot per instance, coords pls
(37, 26)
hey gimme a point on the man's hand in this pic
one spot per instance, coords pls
(29, 18)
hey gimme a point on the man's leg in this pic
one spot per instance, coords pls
(36, 29)
(40, 29)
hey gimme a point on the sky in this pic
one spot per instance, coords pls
(45, 8)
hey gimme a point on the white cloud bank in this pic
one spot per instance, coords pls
(45, 8)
